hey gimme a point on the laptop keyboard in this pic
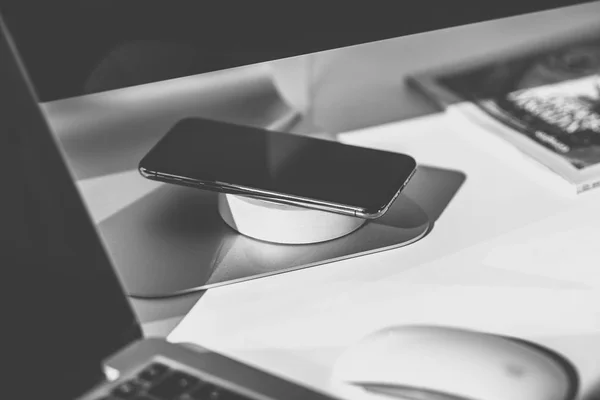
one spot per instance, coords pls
(160, 382)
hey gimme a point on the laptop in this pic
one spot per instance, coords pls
(72, 329)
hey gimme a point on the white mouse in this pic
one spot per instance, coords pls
(432, 362)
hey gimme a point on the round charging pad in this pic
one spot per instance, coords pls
(280, 223)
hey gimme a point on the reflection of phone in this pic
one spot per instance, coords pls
(279, 167)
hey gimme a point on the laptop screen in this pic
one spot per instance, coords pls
(67, 308)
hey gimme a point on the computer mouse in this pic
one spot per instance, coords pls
(443, 363)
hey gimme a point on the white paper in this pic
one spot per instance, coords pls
(342, 314)
(297, 328)
(565, 247)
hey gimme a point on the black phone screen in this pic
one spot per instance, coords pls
(299, 166)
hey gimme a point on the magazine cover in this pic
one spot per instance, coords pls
(546, 102)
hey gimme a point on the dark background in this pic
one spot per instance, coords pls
(81, 46)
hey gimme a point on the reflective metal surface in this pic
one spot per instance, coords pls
(174, 241)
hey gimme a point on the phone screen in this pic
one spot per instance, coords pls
(226, 155)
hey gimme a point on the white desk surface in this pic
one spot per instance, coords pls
(296, 324)
(508, 255)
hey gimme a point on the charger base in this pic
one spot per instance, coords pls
(174, 241)
(283, 224)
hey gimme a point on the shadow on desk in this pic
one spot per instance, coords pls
(594, 393)
(434, 188)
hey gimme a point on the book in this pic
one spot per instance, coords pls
(543, 100)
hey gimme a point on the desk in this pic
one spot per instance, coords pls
(353, 88)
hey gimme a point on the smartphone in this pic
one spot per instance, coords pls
(279, 167)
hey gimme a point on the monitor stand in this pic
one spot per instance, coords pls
(175, 241)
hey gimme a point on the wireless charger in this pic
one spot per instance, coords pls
(285, 224)
(278, 223)
(176, 239)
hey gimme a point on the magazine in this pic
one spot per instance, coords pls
(545, 101)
